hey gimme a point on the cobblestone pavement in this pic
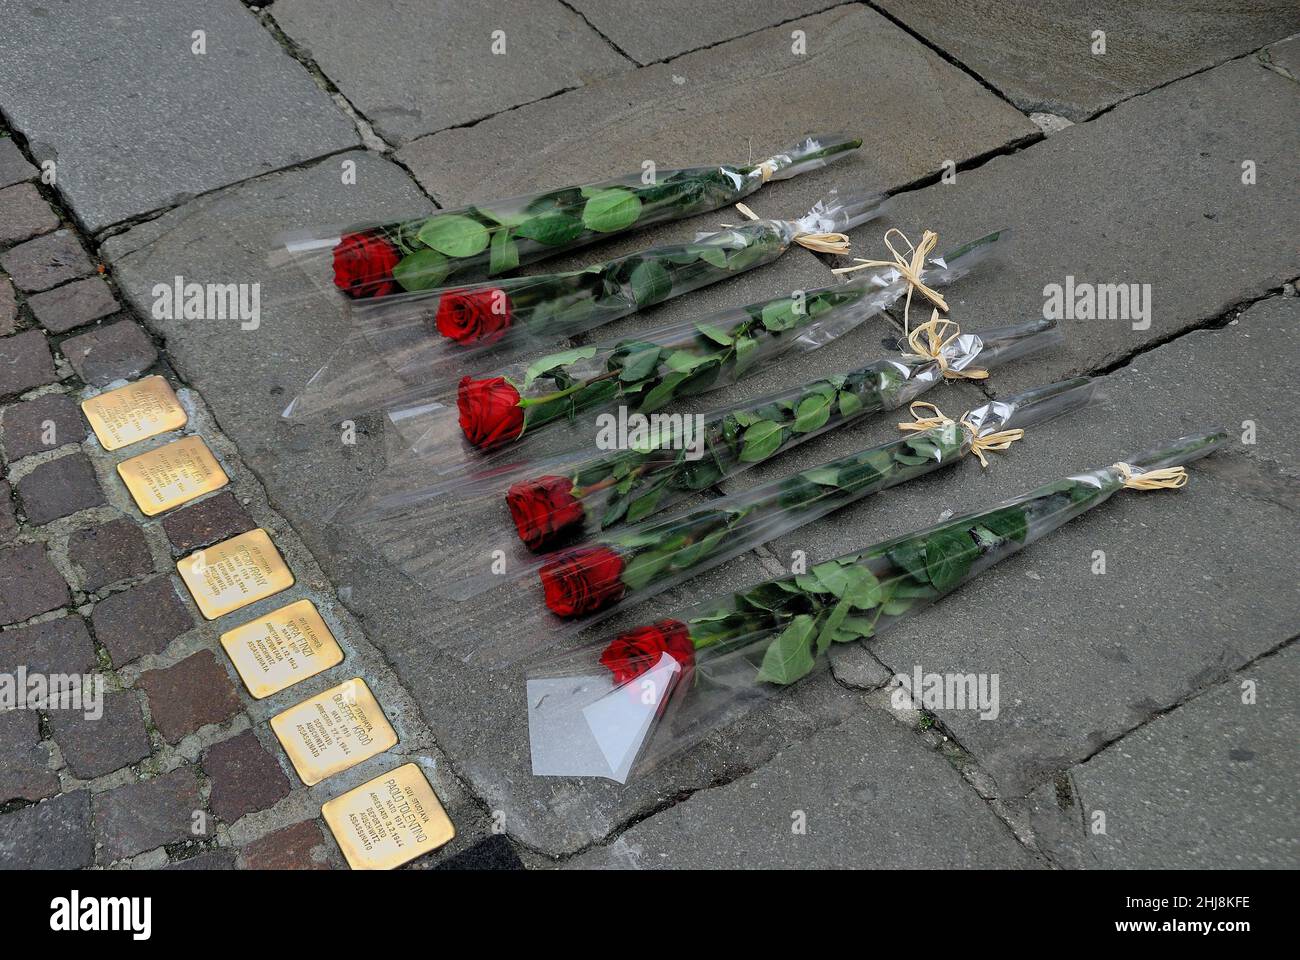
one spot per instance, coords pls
(1148, 714)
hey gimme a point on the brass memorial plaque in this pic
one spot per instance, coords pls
(235, 573)
(280, 649)
(172, 474)
(389, 820)
(334, 730)
(135, 412)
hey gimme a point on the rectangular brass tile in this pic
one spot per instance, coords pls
(172, 474)
(282, 648)
(389, 820)
(334, 730)
(234, 573)
(135, 412)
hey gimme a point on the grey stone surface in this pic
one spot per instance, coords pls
(8, 519)
(59, 488)
(206, 522)
(243, 777)
(24, 214)
(54, 835)
(29, 583)
(46, 261)
(1209, 785)
(8, 308)
(1284, 57)
(95, 747)
(141, 620)
(722, 111)
(14, 167)
(23, 426)
(25, 362)
(241, 109)
(871, 795)
(25, 772)
(414, 67)
(62, 645)
(117, 351)
(657, 31)
(1083, 658)
(1041, 56)
(189, 694)
(1155, 197)
(109, 552)
(61, 309)
(147, 814)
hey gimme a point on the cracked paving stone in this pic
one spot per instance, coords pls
(302, 846)
(29, 584)
(867, 793)
(241, 109)
(220, 860)
(8, 308)
(59, 488)
(46, 262)
(25, 362)
(14, 167)
(8, 522)
(141, 816)
(24, 214)
(51, 646)
(1041, 56)
(207, 522)
(97, 746)
(25, 772)
(117, 351)
(382, 63)
(110, 552)
(25, 427)
(190, 694)
(54, 835)
(73, 304)
(141, 620)
(245, 778)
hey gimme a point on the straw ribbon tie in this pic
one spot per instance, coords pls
(817, 242)
(909, 265)
(768, 169)
(1166, 478)
(980, 444)
(928, 343)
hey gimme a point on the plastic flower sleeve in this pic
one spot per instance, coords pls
(619, 705)
(646, 373)
(434, 338)
(386, 260)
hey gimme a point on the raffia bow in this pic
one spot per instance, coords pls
(817, 242)
(928, 343)
(980, 444)
(1166, 478)
(909, 265)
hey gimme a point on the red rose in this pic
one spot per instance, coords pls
(633, 653)
(363, 265)
(543, 510)
(582, 580)
(489, 411)
(473, 316)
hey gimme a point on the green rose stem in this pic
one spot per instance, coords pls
(774, 633)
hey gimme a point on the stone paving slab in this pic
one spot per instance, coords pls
(861, 75)
(413, 67)
(145, 122)
(1040, 55)
(656, 31)
(1209, 785)
(871, 796)
(1084, 658)
(54, 835)
(1154, 196)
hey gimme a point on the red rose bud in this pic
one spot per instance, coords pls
(489, 411)
(544, 510)
(582, 580)
(473, 316)
(633, 653)
(363, 265)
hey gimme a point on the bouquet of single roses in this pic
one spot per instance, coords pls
(385, 260)
(441, 334)
(447, 533)
(643, 374)
(636, 562)
(656, 689)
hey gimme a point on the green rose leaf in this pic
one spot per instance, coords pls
(823, 476)
(789, 657)
(1009, 523)
(662, 393)
(552, 229)
(503, 255)
(645, 567)
(639, 364)
(422, 270)
(714, 256)
(761, 441)
(503, 216)
(611, 210)
(650, 283)
(948, 556)
(746, 352)
(780, 315)
(850, 403)
(716, 334)
(454, 235)
(549, 363)
(683, 361)
(812, 413)
(642, 507)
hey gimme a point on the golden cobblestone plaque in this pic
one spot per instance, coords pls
(135, 412)
(235, 573)
(389, 820)
(280, 649)
(334, 730)
(172, 474)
